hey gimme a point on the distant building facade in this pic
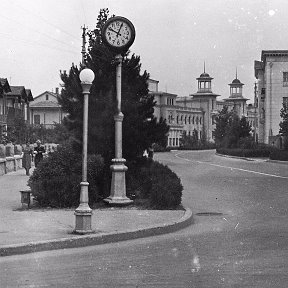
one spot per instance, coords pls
(14, 102)
(271, 91)
(45, 110)
(198, 110)
(195, 112)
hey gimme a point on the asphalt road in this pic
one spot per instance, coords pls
(239, 238)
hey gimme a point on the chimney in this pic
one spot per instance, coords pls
(57, 90)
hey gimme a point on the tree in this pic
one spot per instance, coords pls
(244, 128)
(284, 124)
(221, 121)
(230, 129)
(140, 127)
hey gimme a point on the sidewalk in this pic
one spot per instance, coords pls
(24, 231)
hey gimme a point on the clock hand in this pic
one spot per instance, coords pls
(114, 31)
(119, 30)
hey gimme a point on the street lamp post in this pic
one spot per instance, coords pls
(118, 168)
(84, 213)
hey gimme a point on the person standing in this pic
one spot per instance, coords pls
(38, 152)
(27, 158)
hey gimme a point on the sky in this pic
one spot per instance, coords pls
(173, 38)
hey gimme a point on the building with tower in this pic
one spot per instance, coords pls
(236, 101)
(187, 114)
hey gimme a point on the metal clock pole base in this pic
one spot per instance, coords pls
(118, 184)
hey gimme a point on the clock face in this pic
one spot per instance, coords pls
(118, 33)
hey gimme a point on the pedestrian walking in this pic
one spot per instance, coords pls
(150, 152)
(27, 158)
(38, 152)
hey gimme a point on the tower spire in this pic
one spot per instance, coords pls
(204, 67)
(83, 52)
(236, 73)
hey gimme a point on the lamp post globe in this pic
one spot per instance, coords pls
(86, 76)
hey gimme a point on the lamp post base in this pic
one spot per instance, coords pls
(83, 222)
(118, 184)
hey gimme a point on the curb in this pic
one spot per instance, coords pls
(97, 239)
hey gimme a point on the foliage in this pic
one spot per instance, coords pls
(281, 155)
(239, 152)
(189, 141)
(20, 131)
(230, 129)
(140, 127)
(154, 182)
(221, 121)
(284, 124)
(56, 180)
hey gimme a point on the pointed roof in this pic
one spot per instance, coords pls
(236, 81)
(204, 76)
(4, 85)
(18, 91)
(29, 95)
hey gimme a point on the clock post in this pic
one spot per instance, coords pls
(118, 34)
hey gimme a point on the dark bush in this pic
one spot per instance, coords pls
(262, 152)
(56, 181)
(154, 182)
(281, 155)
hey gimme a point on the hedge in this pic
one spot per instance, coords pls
(281, 155)
(263, 152)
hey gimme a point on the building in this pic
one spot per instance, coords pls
(45, 110)
(197, 111)
(186, 114)
(14, 102)
(271, 91)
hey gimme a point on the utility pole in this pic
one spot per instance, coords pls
(83, 52)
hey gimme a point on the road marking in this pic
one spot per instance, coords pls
(231, 168)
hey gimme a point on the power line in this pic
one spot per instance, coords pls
(46, 21)
(41, 33)
(38, 43)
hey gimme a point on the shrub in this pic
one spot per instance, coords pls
(56, 181)
(260, 152)
(154, 182)
(281, 155)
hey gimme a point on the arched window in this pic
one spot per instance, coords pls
(181, 119)
(196, 120)
(193, 120)
(200, 119)
(189, 120)
(177, 119)
(185, 120)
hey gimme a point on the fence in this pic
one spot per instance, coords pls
(11, 156)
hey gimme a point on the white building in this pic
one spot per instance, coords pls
(45, 110)
(272, 90)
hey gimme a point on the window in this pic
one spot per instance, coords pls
(36, 119)
(285, 78)
(47, 97)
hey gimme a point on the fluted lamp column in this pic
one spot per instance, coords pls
(84, 213)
